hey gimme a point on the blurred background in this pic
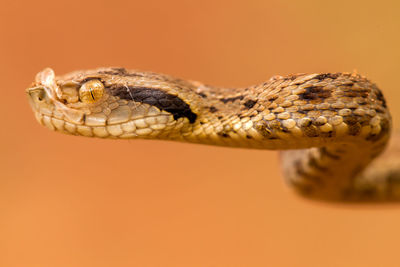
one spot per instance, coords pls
(75, 201)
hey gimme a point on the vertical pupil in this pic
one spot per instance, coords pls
(91, 93)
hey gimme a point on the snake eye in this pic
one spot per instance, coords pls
(91, 91)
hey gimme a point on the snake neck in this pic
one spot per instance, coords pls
(292, 112)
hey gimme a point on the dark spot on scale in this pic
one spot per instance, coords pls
(290, 77)
(213, 109)
(355, 93)
(351, 120)
(272, 97)
(248, 137)
(310, 131)
(385, 126)
(231, 99)
(326, 134)
(362, 101)
(224, 135)
(263, 129)
(155, 97)
(317, 123)
(315, 92)
(380, 97)
(274, 125)
(250, 103)
(219, 117)
(203, 95)
(306, 123)
(326, 75)
(351, 93)
(380, 109)
(284, 129)
(354, 126)
(364, 120)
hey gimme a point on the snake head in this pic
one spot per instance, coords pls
(109, 103)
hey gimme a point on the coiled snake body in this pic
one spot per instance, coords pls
(330, 125)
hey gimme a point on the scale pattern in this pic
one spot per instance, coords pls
(330, 126)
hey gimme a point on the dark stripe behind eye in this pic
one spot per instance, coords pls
(155, 97)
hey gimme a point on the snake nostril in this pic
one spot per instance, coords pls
(37, 94)
(41, 95)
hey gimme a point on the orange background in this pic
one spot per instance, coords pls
(74, 201)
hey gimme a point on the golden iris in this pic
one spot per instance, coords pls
(91, 91)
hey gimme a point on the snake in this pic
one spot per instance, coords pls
(331, 128)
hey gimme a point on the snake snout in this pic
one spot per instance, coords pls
(36, 93)
(36, 96)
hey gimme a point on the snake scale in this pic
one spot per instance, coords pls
(330, 126)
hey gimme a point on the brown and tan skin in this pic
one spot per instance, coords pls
(330, 125)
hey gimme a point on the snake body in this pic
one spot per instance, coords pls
(331, 125)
